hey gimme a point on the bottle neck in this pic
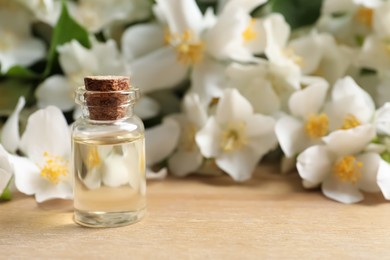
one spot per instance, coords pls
(101, 115)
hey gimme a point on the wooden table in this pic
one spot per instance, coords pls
(270, 216)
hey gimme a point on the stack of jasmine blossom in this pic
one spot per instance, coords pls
(319, 93)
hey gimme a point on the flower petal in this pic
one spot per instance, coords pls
(278, 32)
(183, 163)
(351, 141)
(207, 79)
(291, 135)
(364, 105)
(73, 58)
(163, 65)
(374, 53)
(46, 131)
(93, 178)
(262, 96)
(193, 109)
(116, 171)
(381, 19)
(368, 181)
(161, 140)
(10, 134)
(309, 100)
(160, 175)
(259, 125)
(136, 40)
(232, 107)
(253, 83)
(27, 175)
(225, 36)
(239, 164)
(383, 178)
(337, 6)
(382, 120)
(182, 15)
(208, 138)
(344, 192)
(310, 50)
(24, 53)
(5, 178)
(5, 162)
(146, 108)
(62, 190)
(55, 91)
(314, 164)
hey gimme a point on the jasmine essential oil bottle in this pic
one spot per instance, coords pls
(108, 154)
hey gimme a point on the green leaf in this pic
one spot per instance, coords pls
(386, 156)
(20, 72)
(66, 30)
(6, 195)
(11, 90)
(298, 13)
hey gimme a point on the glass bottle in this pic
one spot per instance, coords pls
(108, 154)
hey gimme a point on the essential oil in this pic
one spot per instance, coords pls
(108, 155)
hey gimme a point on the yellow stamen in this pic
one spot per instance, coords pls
(187, 139)
(364, 16)
(350, 121)
(348, 169)
(54, 168)
(317, 126)
(233, 138)
(290, 54)
(189, 50)
(249, 34)
(93, 158)
(213, 102)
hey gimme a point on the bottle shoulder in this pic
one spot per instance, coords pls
(84, 128)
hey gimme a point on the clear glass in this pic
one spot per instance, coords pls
(109, 170)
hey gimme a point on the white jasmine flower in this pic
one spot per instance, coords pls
(340, 166)
(320, 55)
(17, 45)
(10, 136)
(375, 53)
(277, 50)
(236, 137)
(350, 21)
(192, 41)
(349, 106)
(375, 50)
(46, 143)
(266, 85)
(307, 124)
(6, 169)
(187, 157)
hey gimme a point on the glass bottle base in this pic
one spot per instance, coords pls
(107, 219)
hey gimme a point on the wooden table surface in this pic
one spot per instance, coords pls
(269, 217)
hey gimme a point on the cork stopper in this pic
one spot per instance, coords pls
(107, 96)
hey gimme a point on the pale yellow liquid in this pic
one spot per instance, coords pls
(110, 181)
